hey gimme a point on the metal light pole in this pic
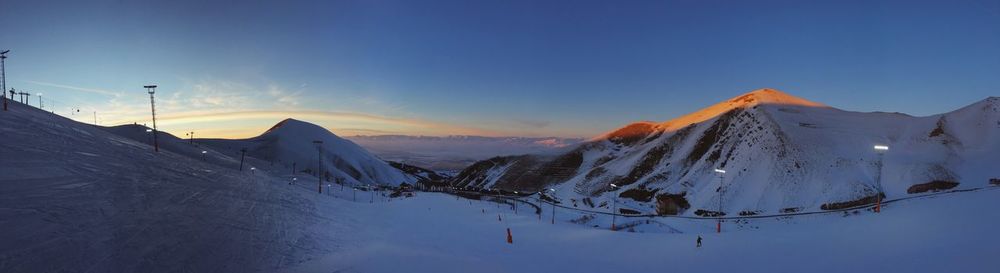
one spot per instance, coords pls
(718, 225)
(515, 202)
(880, 149)
(243, 154)
(553, 206)
(3, 78)
(319, 163)
(539, 206)
(152, 105)
(614, 206)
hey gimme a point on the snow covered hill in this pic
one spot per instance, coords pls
(780, 154)
(290, 144)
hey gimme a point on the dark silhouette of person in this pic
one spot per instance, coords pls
(699, 241)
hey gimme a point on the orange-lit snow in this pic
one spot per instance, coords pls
(753, 98)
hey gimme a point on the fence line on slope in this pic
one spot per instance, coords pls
(887, 201)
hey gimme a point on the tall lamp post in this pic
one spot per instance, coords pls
(614, 206)
(3, 79)
(243, 154)
(540, 205)
(722, 193)
(515, 202)
(553, 206)
(319, 163)
(152, 105)
(880, 149)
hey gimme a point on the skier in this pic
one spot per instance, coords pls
(699, 241)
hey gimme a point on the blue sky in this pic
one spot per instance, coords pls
(526, 68)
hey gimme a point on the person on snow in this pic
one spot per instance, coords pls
(699, 241)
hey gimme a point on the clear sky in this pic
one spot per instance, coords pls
(505, 67)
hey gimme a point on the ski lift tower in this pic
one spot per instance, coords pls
(152, 104)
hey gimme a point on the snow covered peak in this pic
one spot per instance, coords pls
(295, 143)
(766, 96)
(770, 96)
(630, 133)
(290, 125)
(989, 101)
(985, 106)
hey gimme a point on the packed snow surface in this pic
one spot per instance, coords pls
(439, 233)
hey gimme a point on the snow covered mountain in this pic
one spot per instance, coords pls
(290, 145)
(780, 154)
(454, 153)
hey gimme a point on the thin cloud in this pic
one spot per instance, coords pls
(324, 118)
(363, 131)
(76, 88)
